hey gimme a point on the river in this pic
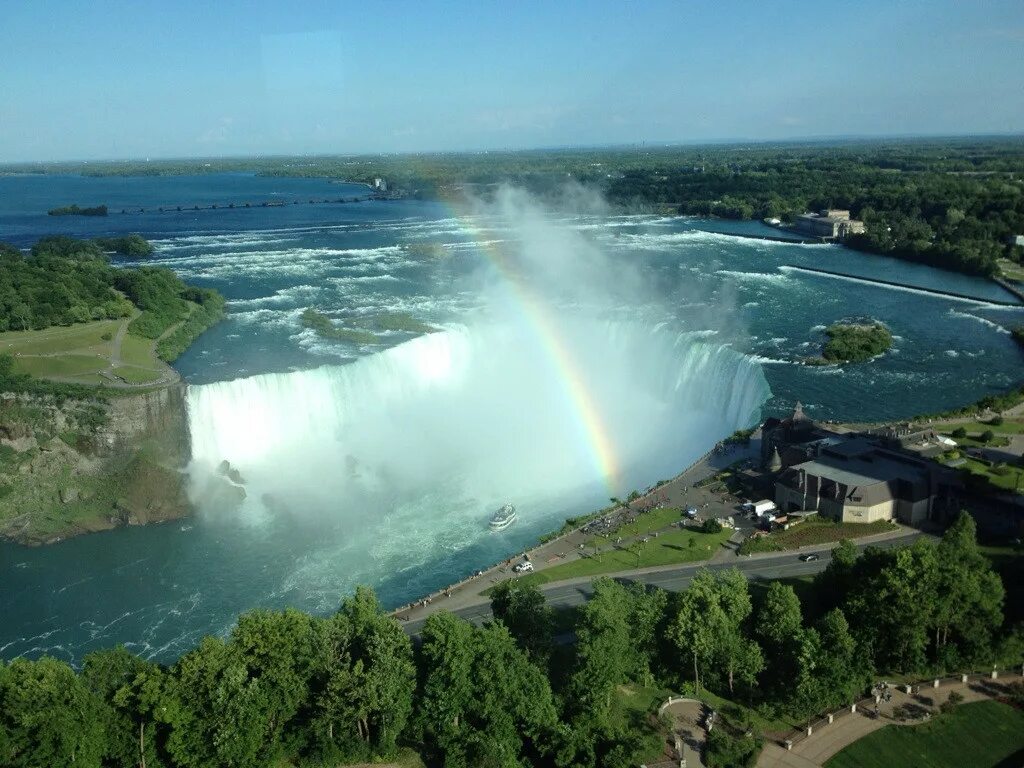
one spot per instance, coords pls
(578, 356)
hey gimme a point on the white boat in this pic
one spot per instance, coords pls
(503, 518)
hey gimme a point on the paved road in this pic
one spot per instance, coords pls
(676, 578)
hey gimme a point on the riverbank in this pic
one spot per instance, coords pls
(74, 466)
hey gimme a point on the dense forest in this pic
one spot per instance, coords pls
(63, 281)
(286, 688)
(951, 203)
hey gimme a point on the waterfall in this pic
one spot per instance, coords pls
(409, 449)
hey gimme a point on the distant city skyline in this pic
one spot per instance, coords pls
(127, 80)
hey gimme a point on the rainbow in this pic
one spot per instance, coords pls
(578, 396)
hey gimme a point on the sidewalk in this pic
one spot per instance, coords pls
(828, 739)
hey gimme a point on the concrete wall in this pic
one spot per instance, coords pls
(862, 513)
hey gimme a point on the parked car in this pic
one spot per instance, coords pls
(691, 512)
(524, 567)
(810, 558)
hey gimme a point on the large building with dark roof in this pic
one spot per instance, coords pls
(856, 480)
(853, 477)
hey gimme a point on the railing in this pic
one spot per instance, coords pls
(866, 705)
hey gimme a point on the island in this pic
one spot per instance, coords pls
(372, 325)
(326, 329)
(93, 427)
(852, 342)
(74, 210)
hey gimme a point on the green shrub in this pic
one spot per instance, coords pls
(727, 751)
(949, 706)
(711, 526)
(988, 436)
(959, 432)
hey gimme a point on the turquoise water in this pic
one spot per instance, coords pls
(650, 302)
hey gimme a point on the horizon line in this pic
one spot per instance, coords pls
(639, 144)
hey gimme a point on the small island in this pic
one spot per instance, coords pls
(852, 343)
(74, 210)
(389, 321)
(326, 329)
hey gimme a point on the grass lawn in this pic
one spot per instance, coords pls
(986, 734)
(80, 352)
(760, 721)
(1008, 427)
(59, 339)
(648, 521)
(65, 365)
(136, 350)
(134, 375)
(1008, 477)
(632, 707)
(974, 441)
(1011, 270)
(668, 549)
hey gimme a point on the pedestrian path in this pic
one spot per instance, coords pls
(826, 739)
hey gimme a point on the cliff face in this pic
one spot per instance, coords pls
(70, 467)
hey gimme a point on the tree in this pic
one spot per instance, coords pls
(779, 617)
(277, 651)
(446, 661)
(604, 649)
(131, 690)
(890, 604)
(709, 627)
(385, 652)
(217, 713)
(778, 627)
(845, 669)
(968, 603)
(521, 607)
(48, 717)
(483, 702)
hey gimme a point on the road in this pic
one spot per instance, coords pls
(766, 567)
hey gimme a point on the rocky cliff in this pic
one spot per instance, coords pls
(75, 466)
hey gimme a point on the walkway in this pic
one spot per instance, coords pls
(827, 739)
(688, 717)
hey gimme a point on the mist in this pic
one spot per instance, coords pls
(571, 383)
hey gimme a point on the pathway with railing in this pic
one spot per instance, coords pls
(904, 704)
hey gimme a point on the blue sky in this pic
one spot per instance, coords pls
(183, 78)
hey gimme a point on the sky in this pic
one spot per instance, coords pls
(181, 79)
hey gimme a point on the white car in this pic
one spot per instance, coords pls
(524, 567)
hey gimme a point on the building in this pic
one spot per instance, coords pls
(1015, 239)
(789, 441)
(856, 477)
(380, 185)
(829, 223)
(855, 480)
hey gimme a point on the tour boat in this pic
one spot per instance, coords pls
(503, 518)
